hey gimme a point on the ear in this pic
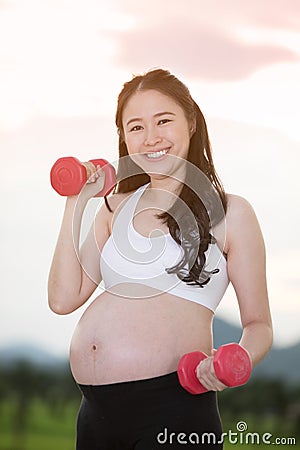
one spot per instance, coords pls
(121, 135)
(192, 127)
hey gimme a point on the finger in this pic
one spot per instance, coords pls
(212, 384)
(87, 169)
(205, 366)
(90, 171)
(99, 171)
(93, 169)
(207, 377)
(90, 178)
(220, 387)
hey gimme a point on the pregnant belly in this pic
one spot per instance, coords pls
(122, 339)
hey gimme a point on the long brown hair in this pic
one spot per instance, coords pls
(194, 242)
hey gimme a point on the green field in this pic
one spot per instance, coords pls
(44, 429)
(39, 406)
(269, 432)
(53, 428)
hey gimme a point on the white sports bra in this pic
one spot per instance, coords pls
(129, 257)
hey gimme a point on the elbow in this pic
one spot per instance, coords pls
(267, 338)
(59, 305)
(59, 308)
(60, 301)
(268, 327)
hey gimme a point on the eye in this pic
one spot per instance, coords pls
(136, 128)
(163, 121)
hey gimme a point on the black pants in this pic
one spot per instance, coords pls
(155, 413)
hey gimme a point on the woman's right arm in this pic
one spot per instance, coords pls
(75, 272)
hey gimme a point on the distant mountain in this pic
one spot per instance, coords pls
(13, 353)
(281, 363)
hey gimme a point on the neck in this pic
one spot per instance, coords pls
(162, 193)
(172, 183)
(169, 184)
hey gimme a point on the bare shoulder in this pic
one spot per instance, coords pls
(241, 219)
(239, 212)
(238, 207)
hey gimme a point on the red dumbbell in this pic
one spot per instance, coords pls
(68, 176)
(232, 366)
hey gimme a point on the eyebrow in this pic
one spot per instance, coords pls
(136, 119)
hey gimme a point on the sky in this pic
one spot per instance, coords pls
(62, 65)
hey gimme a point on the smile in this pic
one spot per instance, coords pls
(159, 154)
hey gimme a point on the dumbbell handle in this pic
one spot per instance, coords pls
(232, 366)
(68, 176)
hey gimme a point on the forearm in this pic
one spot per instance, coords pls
(65, 275)
(257, 339)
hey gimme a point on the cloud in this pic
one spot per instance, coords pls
(228, 13)
(269, 13)
(199, 51)
(206, 40)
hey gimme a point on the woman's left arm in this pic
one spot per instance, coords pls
(246, 264)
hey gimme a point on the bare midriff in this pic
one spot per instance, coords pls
(130, 337)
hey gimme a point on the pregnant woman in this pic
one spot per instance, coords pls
(165, 244)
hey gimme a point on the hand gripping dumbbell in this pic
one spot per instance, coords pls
(231, 362)
(68, 176)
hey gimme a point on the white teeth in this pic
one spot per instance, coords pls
(157, 154)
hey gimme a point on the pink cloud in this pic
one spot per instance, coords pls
(267, 13)
(200, 51)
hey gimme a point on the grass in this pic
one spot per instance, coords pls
(53, 428)
(267, 433)
(46, 428)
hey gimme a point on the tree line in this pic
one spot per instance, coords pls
(261, 401)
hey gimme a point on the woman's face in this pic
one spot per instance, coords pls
(156, 131)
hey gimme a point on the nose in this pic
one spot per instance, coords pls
(152, 137)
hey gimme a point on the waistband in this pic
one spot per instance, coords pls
(159, 382)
